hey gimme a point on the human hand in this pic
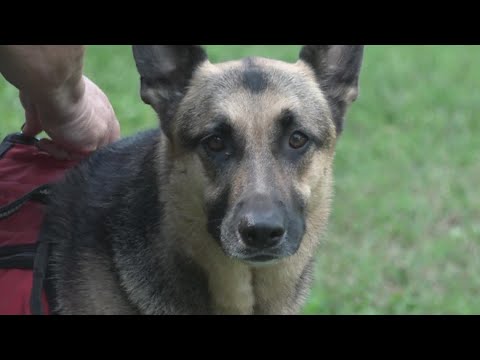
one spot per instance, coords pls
(77, 123)
(59, 99)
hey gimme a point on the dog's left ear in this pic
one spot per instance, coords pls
(337, 69)
(165, 72)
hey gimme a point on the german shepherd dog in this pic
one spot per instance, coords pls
(220, 209)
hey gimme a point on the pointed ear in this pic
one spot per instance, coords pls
(337, 69)
(165, 72)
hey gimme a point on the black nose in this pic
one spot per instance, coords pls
(261, 224)
(261, 234)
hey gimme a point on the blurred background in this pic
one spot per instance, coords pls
(404, 234)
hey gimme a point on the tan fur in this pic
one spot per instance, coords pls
(253, 113)
(231, 282)
(274, 284)
(101, 287)
(235, 287)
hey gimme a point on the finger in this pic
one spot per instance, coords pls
(60, 153)
(53, 149)
(32, 126)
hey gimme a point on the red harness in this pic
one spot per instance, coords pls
(25, 172)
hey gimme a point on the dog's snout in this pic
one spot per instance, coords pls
(261, 224)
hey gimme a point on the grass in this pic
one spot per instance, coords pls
(404, 235)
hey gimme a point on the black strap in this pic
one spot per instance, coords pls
(15, 138)
(17, 256)
(39, 274)
(5, 146)
(29, 257)
(38, 194)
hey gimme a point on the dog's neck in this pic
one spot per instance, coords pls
(234, 286)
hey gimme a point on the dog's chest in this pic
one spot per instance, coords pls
(238, 289)
(231, 290)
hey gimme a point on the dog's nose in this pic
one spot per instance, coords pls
(261, 234)
(261, 226)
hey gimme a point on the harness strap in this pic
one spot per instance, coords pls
(17, 256)
(15, 138)
(38, 194)
(39, 275)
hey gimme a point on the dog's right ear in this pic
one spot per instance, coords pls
(337, 69)
(165, 72)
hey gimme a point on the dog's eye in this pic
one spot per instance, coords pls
(298, 140)
(215, 143)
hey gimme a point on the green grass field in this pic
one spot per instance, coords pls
(404, 235)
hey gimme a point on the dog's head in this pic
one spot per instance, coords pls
(260, 132)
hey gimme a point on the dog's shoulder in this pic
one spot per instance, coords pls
(102, 185)
(105, 170)
(118, 161)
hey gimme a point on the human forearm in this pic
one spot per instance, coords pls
(39, 70)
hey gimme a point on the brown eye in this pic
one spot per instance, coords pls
(215, 143)
(298, 140)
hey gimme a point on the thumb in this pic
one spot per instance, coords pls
(32, 125)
